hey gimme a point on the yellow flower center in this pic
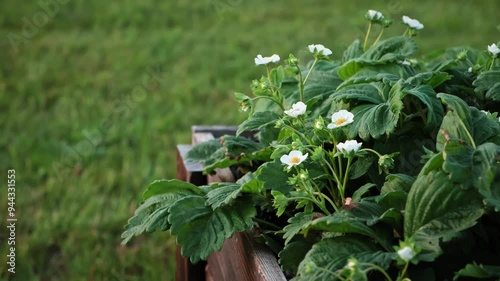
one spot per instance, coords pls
(294, 160)
(340, 121)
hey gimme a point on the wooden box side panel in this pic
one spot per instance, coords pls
(241, 258)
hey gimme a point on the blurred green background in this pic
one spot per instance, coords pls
(94, 96)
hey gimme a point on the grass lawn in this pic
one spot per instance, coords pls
(94, 96)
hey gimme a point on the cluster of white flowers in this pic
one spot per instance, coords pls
(339, 119)
(313, 48)
(412, 23)
(260, 60)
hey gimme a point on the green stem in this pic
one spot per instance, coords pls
(331, 202)
(346, 176)
(420, 110)
(306, 139)
(330, 183)
(467, 132)
(324, 196)
(310, 70)
(334, 171)
(303, 123)
(301, 84)
(406, 31)
(377, 268)
(263, 222)
(270, 98)
(367, 35)
(330, 272)
(320, 204)
(492, 63)
(379, 36)
(403, 273)
(373, 151)
(340, 169)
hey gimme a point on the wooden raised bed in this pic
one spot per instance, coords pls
(241, 257)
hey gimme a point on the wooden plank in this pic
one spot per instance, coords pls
(216, 131)
(243, 259)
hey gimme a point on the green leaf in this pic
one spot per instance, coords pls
(222, 194)
(206, 153)
(293, 253)
(458, 163)
(457, 105)
(360, 167)
(152, 214)
(431, 78)
(228, 151)
(274, 177)
(238, 146)
(489, 82)
(296, 224)
(486, 173)
(373, 213)
(349, 68)
(436, 207)
(276, 76)
(478, 271)
(484, 128)
(343, 223)
(397, 182)
(465, 123)
(200, 230)
(162, 187)
(280, 202)
(249, 183)
(453, 128)
(356, 196)
(378, 118)
(392, 50)
(257, 121)
(353, 51)
(330, 255)
(388, 74)
(394, 199)
(428, 97)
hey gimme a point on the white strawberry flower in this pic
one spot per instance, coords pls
(374, 15)
(297, 109)
(260, 60)
(340, 119)
(319, 49)
(494, 50)
(349, 147)
(294, 158)
(406, 254)
(412, 23)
